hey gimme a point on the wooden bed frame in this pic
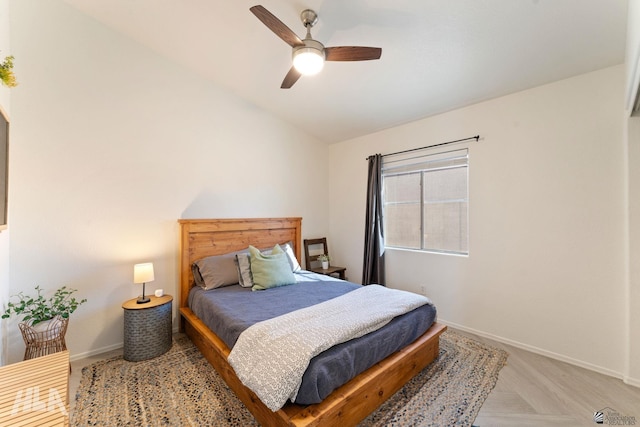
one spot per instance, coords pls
(348, 404)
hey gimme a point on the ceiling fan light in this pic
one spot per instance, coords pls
(308, 61)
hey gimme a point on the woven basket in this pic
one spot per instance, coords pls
(40, 342)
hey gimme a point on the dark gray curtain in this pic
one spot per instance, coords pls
(373, 265)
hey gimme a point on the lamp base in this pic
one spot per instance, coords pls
(142, 299)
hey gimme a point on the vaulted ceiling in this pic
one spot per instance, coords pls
(437, 55)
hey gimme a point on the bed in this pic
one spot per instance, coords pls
(346, 405)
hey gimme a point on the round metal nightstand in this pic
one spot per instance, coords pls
(147, 328)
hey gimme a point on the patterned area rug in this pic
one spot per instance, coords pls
(180, 388)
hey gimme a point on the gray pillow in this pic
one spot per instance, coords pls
(243, 264)
(216, 271)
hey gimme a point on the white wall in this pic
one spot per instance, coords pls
(633, 374)
(547, 255)
(112, 144)
(5, 50)
(632, 60)
(633, 149)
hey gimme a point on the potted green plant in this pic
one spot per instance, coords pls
(43, 322)
(324, 259)
(6, 72)
(35, 310)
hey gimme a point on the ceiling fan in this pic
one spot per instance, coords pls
(309, 54)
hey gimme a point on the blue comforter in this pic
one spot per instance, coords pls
(230, 310)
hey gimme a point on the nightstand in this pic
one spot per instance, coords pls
(147, 328)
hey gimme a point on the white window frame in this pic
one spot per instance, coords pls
(427, 163)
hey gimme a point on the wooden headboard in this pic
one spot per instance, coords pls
(201, 238)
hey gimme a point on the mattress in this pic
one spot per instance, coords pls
(230, 310)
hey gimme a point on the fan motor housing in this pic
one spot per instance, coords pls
(310, 44)
(309, 18)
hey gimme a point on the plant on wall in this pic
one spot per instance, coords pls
(6, 72)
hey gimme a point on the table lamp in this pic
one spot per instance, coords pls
(143, 273)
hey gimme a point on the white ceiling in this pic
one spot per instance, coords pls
(437, 55)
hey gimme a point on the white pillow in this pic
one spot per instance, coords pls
(288, 249)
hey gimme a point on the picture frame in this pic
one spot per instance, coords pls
(4, 168)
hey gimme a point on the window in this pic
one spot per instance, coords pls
(426, 202)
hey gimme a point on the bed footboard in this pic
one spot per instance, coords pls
(347, 405)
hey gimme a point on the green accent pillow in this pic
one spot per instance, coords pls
(271, 270)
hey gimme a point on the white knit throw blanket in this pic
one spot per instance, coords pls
(270, 357)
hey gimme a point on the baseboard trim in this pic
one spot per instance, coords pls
(540, 351)
(100, 350)
(95, 352)
(632, 381)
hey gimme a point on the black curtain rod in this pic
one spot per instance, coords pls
(477, 137)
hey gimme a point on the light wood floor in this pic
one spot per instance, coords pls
(532, 390)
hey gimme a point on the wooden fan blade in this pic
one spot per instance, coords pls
(289, 80)
(276, 25)
(352, 53)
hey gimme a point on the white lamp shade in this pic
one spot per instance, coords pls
(308, 61)
(143, 273)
